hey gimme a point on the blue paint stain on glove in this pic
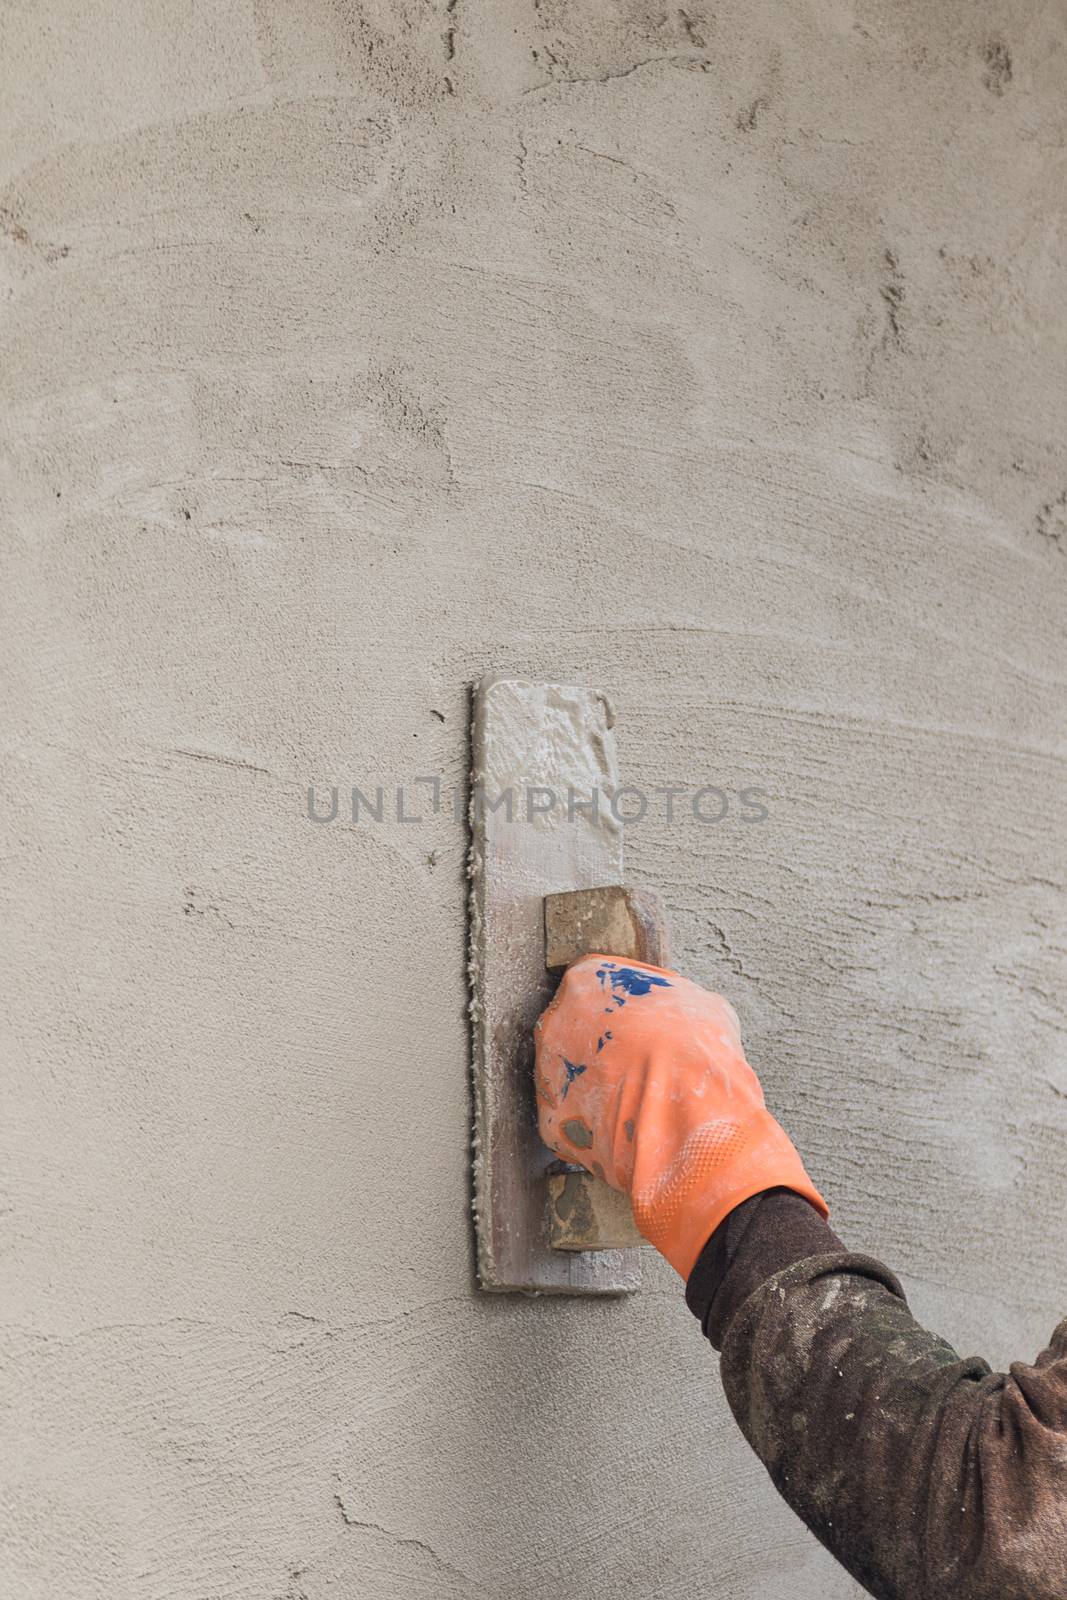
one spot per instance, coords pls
(573, 1072)
(628, 981)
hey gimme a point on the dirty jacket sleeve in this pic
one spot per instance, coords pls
(927, 1476)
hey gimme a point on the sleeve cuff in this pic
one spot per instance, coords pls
(766, 1234)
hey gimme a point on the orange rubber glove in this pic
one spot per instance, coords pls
(641, 1078)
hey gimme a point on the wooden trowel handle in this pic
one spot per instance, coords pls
(583, 1212)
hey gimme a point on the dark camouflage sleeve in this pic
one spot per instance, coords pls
(927, 1476)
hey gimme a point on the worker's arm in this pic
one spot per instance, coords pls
(928, 1477)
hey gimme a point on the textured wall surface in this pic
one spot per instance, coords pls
(715, 356)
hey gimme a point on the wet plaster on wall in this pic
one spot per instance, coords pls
(712, 355)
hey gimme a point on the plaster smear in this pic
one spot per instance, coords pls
(711, 356)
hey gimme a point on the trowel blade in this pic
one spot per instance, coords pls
(543, 770)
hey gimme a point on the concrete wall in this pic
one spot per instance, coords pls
(714, 356)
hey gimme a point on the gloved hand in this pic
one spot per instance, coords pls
(641, 1078)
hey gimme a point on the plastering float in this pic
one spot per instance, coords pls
(543, 834)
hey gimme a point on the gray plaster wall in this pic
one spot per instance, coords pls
(712, 356)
